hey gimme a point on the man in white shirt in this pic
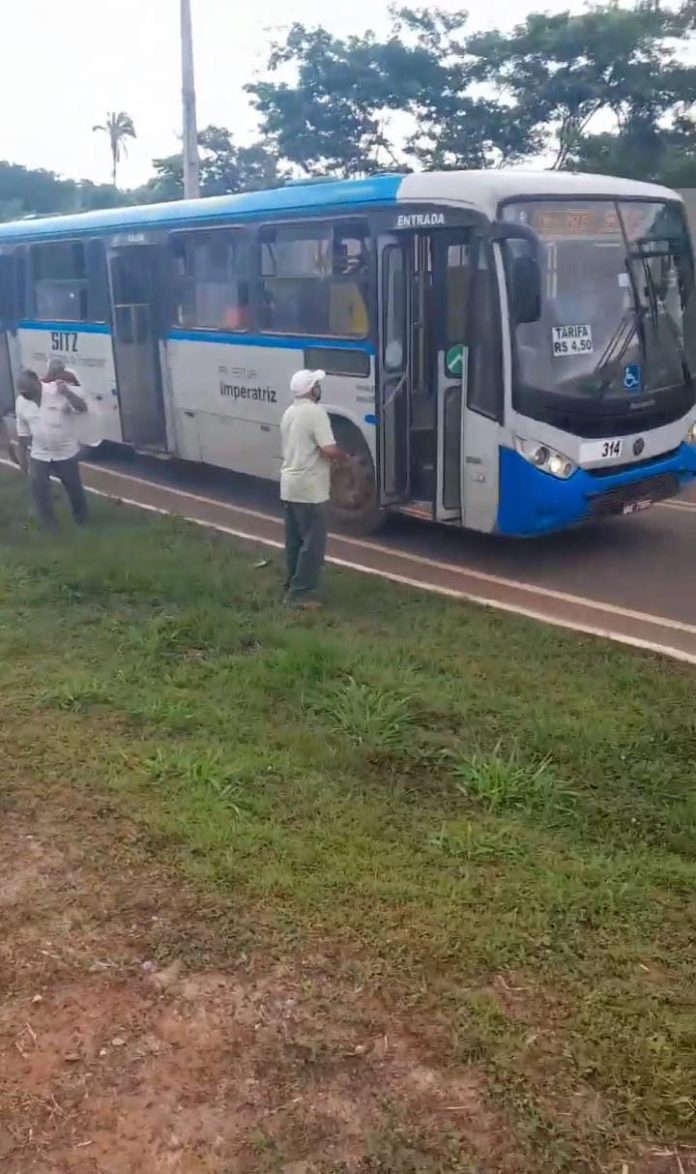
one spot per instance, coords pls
(44, 413)
(309, 446)
(89, 425)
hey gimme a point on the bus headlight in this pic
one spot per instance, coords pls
(691, 434)
(548, 459)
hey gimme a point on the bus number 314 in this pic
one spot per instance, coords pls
(64, 340)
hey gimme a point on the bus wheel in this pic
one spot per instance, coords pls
(353, 507)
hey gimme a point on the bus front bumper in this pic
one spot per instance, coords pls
(532, 502)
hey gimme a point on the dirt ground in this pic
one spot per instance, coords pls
(132, 1040)
(137, 1035)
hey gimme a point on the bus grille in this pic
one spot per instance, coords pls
(649, 489)
(629, 466)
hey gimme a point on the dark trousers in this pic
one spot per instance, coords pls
(68, 473)
(305, 547)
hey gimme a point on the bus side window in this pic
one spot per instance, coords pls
(395, 314)
(295, 259)
(97, 282)
(59, 281)
(349, 286)
(314, 280)
(485, 385)
(458, 278)
(21, 282)
(211, 279)
(7, 299)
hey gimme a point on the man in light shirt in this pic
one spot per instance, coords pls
(308, 446)
(44, 414)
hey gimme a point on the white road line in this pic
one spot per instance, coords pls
(432, 588)
(688, 507)
(241, 509)
(251, 513)
(451, 568)
(530, 588)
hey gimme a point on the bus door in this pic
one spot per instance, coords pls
(469, 379)
(7, 332)
(6, 381)
(394, 367)
(133, 279)
(452, 250)
(424, 292)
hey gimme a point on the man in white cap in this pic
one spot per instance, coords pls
(309, 446)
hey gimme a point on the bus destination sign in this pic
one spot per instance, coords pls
(596, 220)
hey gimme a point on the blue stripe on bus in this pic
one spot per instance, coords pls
(319, 199)
(271, 340)
(276, 341)
(68, 327)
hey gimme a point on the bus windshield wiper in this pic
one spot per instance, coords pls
(637, 303)
(638, 307)
(656, 301)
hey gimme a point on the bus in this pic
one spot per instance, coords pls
(509, 352)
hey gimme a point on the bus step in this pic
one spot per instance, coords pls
(157, 454)
(416, 509)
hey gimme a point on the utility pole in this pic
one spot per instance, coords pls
(188, 99)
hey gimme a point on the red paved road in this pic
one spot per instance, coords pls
(631, 579)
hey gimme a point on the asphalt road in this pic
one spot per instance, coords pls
(630, 579)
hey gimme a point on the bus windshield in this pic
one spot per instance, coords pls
(618, 313)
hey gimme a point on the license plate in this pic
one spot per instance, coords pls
(637, 507)
(601, 450)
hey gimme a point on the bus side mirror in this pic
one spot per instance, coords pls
(521, 245)
(525, 288)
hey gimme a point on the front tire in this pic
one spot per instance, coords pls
(353, 506)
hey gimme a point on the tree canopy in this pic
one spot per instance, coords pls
(224, 167)
(610, 89)
(25, 192)
(605, 87)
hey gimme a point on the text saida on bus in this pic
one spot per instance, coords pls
(505, 351)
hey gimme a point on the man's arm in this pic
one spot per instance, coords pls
(332, 452)
(23, 446)
(23, 432)
(76, 401)
(324, 438)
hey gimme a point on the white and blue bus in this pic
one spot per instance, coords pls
(509, 352)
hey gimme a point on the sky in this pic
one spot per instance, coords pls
(65, 65)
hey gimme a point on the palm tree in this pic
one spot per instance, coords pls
(119, 127)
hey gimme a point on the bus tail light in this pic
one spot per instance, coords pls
(543, 457)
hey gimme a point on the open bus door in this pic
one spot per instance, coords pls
(452, 263)
(467, 379)
(425, 295)
(481, 387)
(134, 284)
(439, 375)
(393, 393)
(8, 327)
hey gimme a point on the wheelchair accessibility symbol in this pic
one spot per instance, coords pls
(633, 377)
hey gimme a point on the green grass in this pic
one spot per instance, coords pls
(494, 823)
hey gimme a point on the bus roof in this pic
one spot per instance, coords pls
(479, 190)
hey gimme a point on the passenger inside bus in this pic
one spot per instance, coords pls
(236, 316)
(348, 315)
(347, 310)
